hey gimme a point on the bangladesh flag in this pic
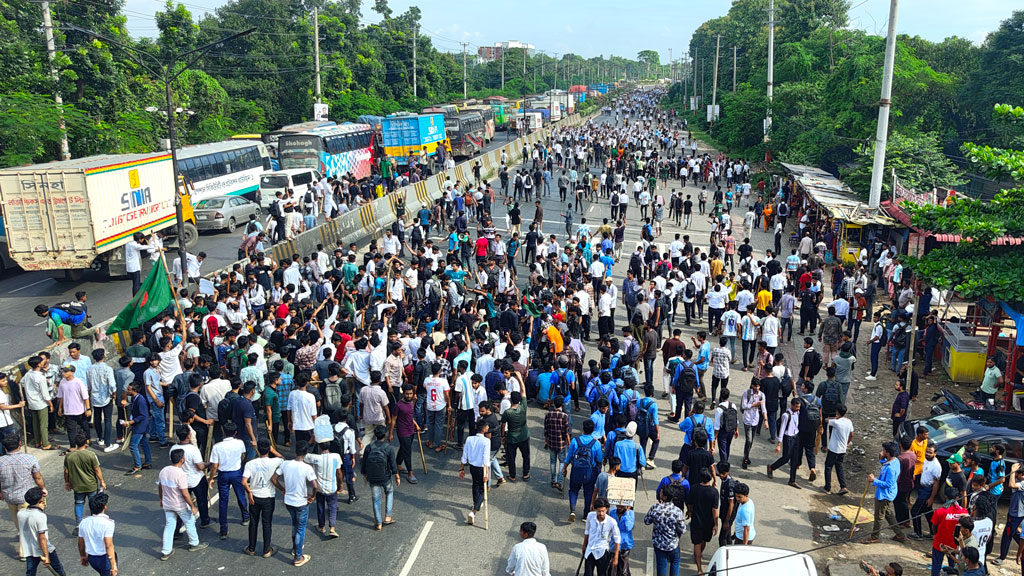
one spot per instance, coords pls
(153, 297)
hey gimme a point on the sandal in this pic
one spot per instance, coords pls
(377, 527)
(389, 521)
(50, 447)
(869, 541)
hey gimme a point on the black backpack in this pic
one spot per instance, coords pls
(376, 465)
(73, 308)
(691, 289)
(184, 401)
(686, 381)
(226, 407)
(832, 394)
(730, 419)
(815, 365)
(582, 461)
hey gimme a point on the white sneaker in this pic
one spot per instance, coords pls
(650, 465)
(470, 519)
(870, 377)
(100, 443)
(111, 448)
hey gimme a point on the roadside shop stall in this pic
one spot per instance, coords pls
(826, 205)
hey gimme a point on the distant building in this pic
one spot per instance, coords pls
(488, 53)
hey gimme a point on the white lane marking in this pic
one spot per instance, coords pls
(416, 549)
(651, 561)
(40, 323)
(30, 285)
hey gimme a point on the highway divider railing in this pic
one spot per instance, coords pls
(366, 221)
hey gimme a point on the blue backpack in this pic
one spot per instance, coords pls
(582, 461)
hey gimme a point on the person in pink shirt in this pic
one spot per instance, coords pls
(73, 403)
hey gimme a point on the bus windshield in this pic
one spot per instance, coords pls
(299, 151)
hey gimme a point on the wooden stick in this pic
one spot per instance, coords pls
(209, 441)
(24, 423)
(170, 428)
(486, 527)
(859, 508)
(128, 437)
(419, 439)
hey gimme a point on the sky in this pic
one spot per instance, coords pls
(603, 27)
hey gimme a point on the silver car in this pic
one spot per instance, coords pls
(224, 212)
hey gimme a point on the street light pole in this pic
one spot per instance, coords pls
(165, 71)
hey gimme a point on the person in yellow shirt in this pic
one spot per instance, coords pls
(732, 286)
(764, 298)
(918, 447)
(717, 266)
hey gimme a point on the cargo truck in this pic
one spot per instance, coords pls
(75, 215)
(405, 135)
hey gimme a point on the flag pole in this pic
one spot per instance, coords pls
(174, 296)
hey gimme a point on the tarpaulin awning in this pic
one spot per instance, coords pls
(835, 198)
(900, 215)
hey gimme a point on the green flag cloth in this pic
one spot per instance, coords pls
(152, 298)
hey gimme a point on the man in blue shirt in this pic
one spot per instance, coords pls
(603, 387)
(623, 515)
(675, 476)
(885, 493)
(584, 469)
(630, 454)
(696, 421)
(600, 418)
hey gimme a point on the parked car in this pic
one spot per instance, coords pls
(224, 212)
(950, 431)
(739, 560)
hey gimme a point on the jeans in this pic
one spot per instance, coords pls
(495, 469)
(435, 426)
(898, 355)
(833, 459)
(786, 328)
(170, 524)
(732, 346)
(884, 510)
(136, 441)
(420, 411)
(922, 511)
(510, 451)
(649, 371)
(937, 558)
(749, 430)
(556, 459)
(773, 424)
(100, 563)
(379, 492)
(749, 349)
(262, 512)
(225, 482)
(80, 499)
(156, 423)
(668, 561)
(32, 564)
(101, 421)
(299, 515)
(876, 348)
(326, 509)
(588, 492)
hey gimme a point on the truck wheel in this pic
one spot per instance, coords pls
(99, 266)
(191, 235)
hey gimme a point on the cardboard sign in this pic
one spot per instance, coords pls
(621, 491)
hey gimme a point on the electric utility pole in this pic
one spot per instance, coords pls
(882, 134)
(714, 81)
(464, 94)
(316, 49)
(51, 50)
(502, 68)
(670, 65)
(415, 93)
(771, 68)
(693, 64)
(734, 69)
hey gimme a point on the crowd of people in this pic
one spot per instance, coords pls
(455, 327)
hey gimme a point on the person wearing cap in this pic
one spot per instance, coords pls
(631, 455)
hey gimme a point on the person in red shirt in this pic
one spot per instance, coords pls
(945, 521)
(482, 244)
(805, 279)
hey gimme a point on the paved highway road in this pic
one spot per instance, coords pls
(21, 291)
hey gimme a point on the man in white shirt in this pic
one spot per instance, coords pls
(477, 454)
(601, 540)
(299, 487)
(529, 557)
(303, 407)
(226, 467)
(211, 394)
(256, 480)
(840, 433)
(133, 259)
(96, 536)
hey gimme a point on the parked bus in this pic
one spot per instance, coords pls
(271, 149)
(333, 150)
(488, 115)
(232, 167)
(466, 133)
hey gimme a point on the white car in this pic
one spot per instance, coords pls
(740, 560)
(298, 179)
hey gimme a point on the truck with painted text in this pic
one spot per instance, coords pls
(75, 215)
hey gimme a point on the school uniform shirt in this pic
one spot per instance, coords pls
(326, 467)
(602, 535)
(258, 472)
(192, 457)
(93, 530)
(528, 558)
(227, 455)
(744, 518)
(303, 407)
(625, 522)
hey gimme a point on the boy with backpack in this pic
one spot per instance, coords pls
(692, 423)
(727, 417)
(684, 383)
(647, 424)
(584, 454)
(830, 393)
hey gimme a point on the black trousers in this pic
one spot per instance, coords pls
(510, 453)
(477, 473)
(833, 459)
(601, 565)
(405, 452)
(261, 513)
(464, 419)
(790, 454)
